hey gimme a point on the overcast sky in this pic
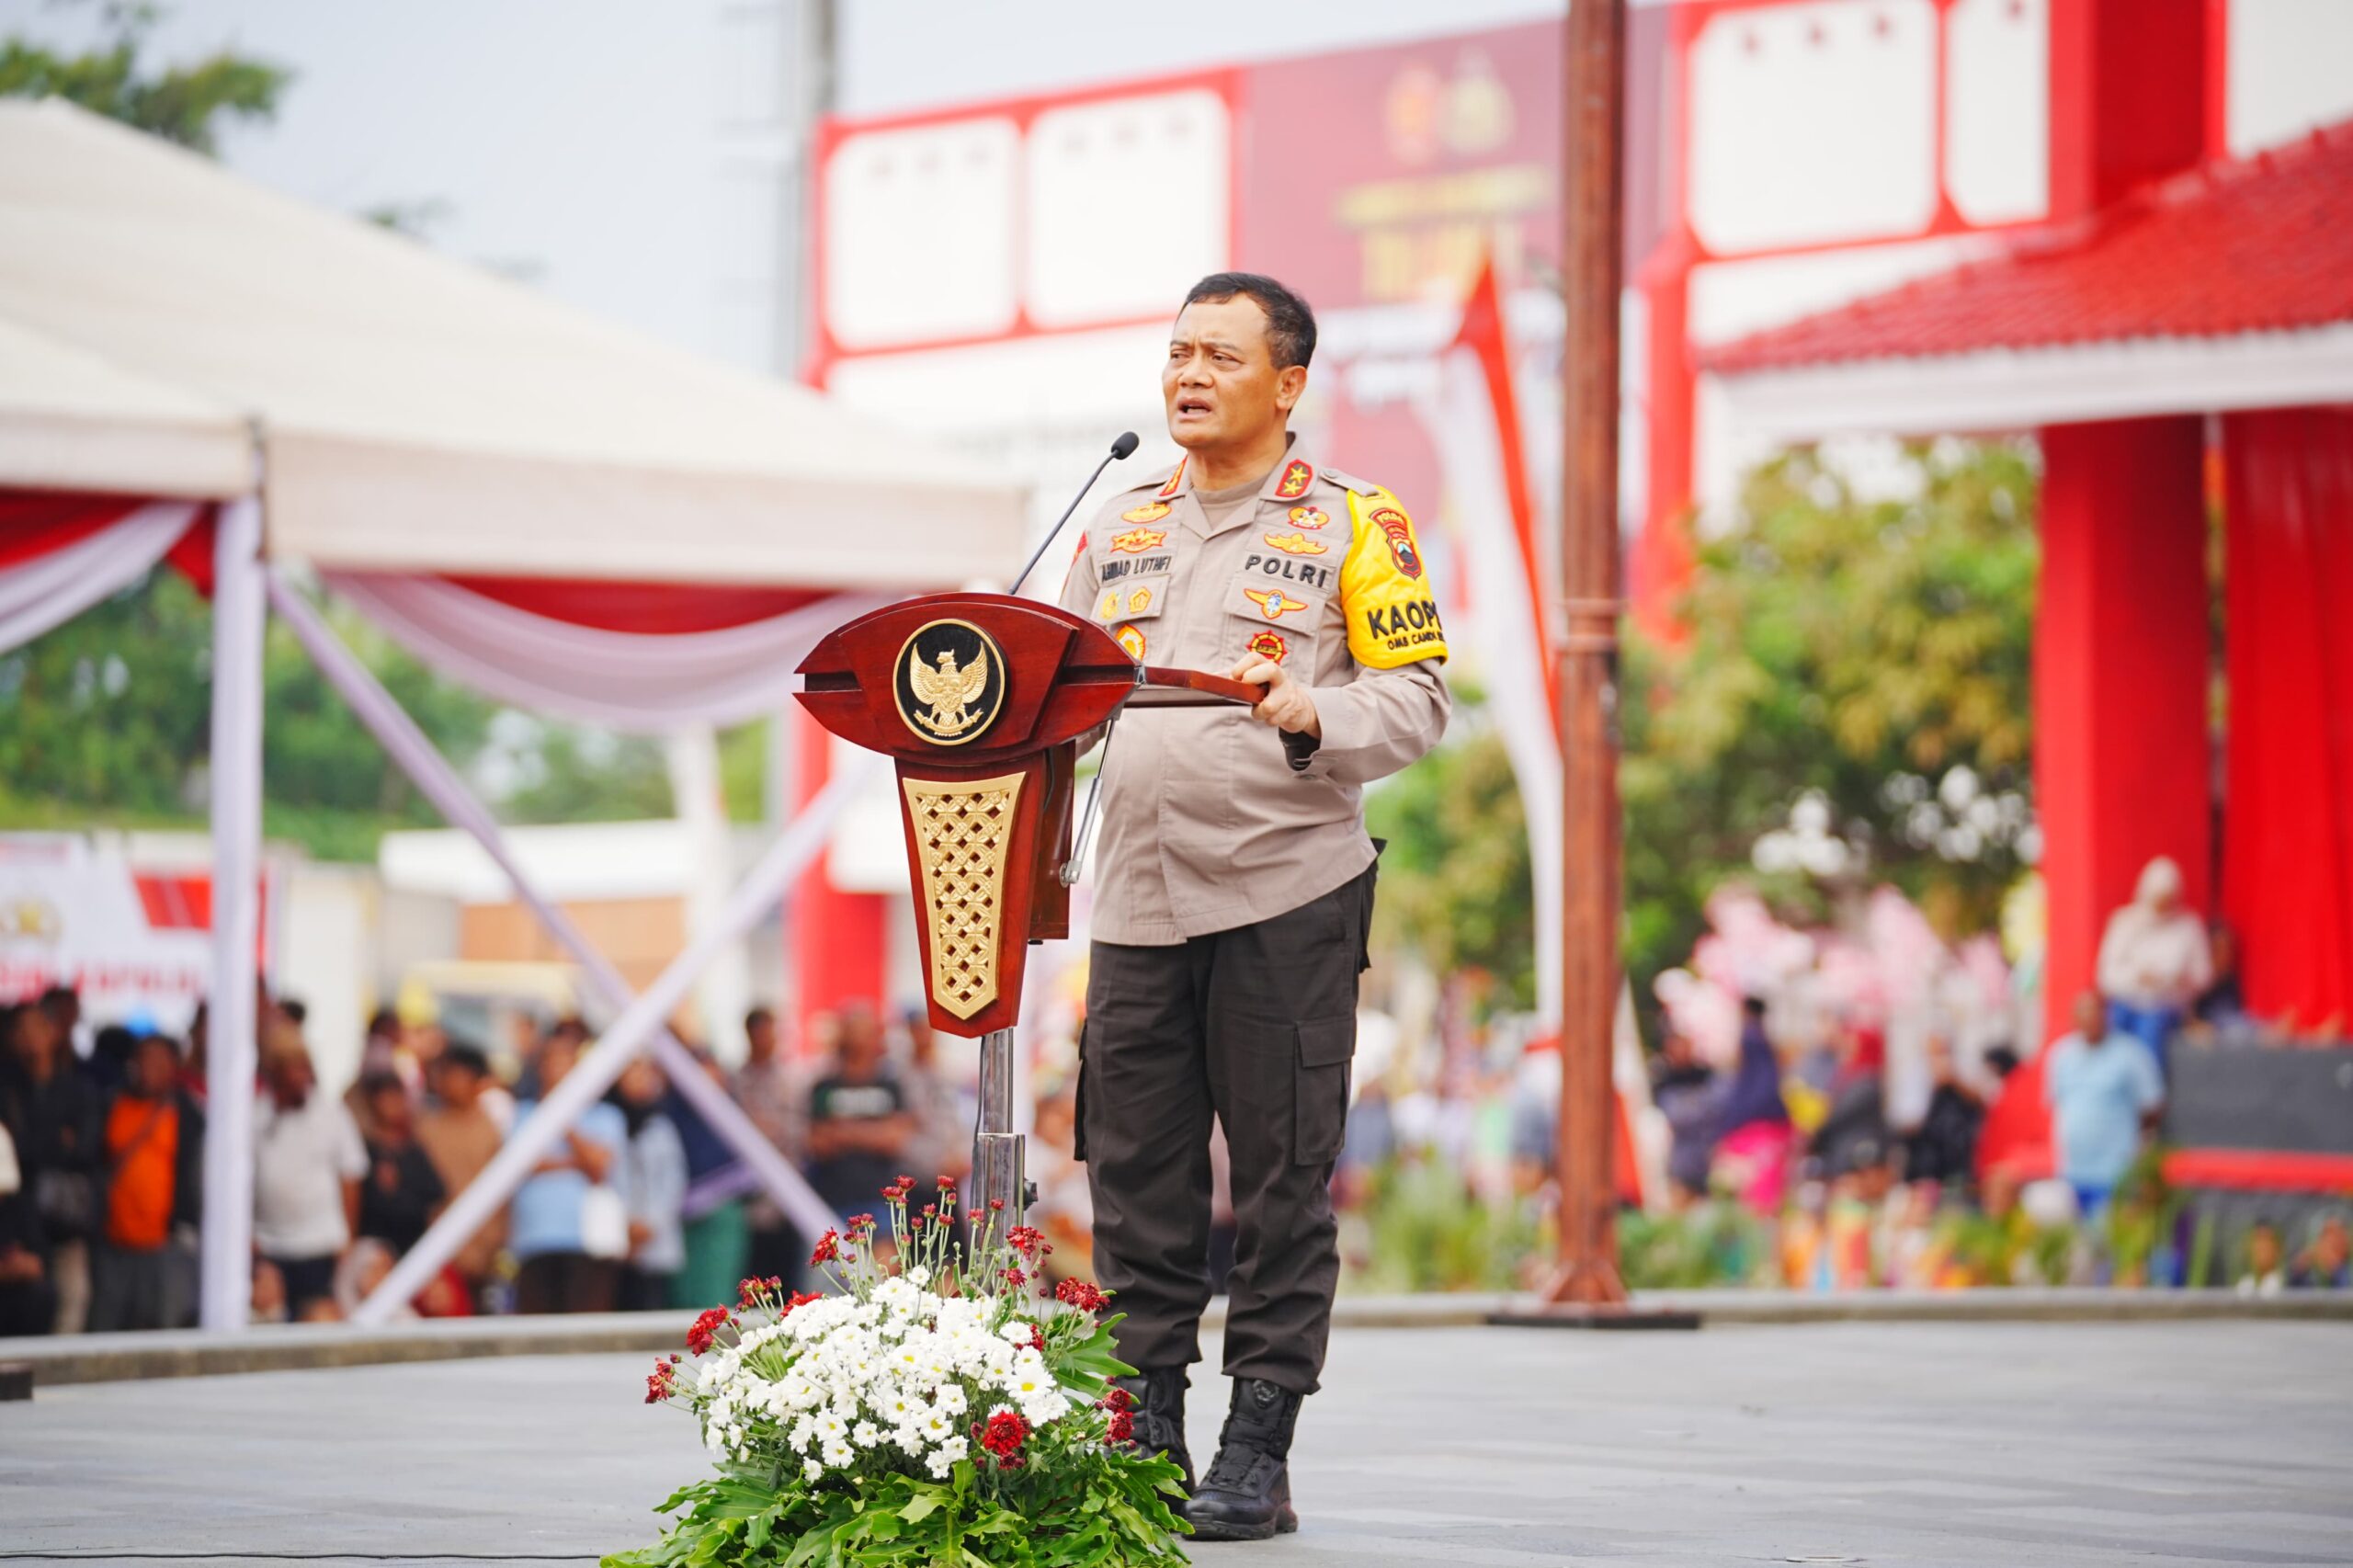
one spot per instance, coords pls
(587, 146)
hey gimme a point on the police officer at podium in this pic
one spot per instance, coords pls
(1234, 877)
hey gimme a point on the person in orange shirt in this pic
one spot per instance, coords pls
(153, 1158)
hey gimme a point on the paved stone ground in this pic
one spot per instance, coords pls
(1912, 1444)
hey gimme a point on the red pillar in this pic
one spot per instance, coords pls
(2122, 769)
(2128, 95)
(837, 943)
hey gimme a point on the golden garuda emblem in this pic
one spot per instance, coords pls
(950, 682)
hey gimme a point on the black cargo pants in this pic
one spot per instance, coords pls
(1256, 1026)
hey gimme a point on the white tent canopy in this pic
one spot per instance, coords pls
(70, 420)
(172, 334)
(416, 415)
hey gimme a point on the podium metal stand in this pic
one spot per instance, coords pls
(980, 700)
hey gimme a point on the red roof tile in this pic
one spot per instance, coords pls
(2261, 244)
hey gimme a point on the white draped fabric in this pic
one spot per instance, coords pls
(620, 679)
(51, 589)
(1505, 632)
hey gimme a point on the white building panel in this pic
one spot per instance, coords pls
(1128, 205)
(919, 233)
(2290, 69)
(1997, 122)
(1813, 124)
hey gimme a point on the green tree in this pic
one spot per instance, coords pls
(184, 103)
(1871, 653)
(1875, 653)
(1455, 877)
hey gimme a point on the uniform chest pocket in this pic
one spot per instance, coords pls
(1275, 602)
(1137, 597)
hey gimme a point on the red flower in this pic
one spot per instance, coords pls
(749, 1291)
(1121, 1428)
(1116, 1400)
(1081, 1294)
(1026, 1240)
(829, 1248)
(795, 1302)
(1037, 1339)
(1003, 1436)
(661, 1384)
(698, 1336)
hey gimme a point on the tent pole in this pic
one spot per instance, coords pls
(224, 1270)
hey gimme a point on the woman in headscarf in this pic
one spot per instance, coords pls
(2154, 960)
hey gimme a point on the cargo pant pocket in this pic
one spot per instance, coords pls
(1320, 1088)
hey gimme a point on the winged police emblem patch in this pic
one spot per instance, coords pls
(949, 682)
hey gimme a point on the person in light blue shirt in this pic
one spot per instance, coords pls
(2105, 1091)
(545, 1227)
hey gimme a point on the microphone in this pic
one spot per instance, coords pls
(1123, 448)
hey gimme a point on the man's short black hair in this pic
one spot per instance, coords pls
(466, 1058)
(1290, 325)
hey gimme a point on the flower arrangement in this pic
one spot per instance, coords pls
(937, 1407)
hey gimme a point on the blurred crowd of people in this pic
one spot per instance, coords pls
(639, 1204)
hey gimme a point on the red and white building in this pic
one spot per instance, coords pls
(2021, 173)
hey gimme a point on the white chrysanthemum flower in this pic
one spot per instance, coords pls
(1014, 1333)
(950, 1399)
(866, 1434)
(838, 1456)
(935, 1426)
(918, 1276)
(810, 1469)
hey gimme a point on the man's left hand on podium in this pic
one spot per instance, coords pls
(1286, 705)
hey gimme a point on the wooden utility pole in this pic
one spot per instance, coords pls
(1592, 87)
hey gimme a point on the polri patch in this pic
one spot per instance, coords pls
(1309, 517)
(1150, 512)
(1270, 646)
(1136, 540)
(1131, 638)
(1298, 544)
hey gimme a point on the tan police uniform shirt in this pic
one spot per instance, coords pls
(1208, 821)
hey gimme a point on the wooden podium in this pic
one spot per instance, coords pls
(981, 699)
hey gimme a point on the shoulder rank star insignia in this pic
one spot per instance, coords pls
(1130, 640)
(1296, 479)
(1273, 603)
(1309, 517)
(1174, 480)
(1297, 544)
(1135, 540)
(1150, 512)
(1269, 646)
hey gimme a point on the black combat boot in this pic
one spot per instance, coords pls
(1159, 1394)
(1246, 1495)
